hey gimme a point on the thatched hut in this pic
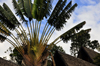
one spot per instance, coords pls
(87, 54)
(62, 59)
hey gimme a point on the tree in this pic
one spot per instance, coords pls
(82, 39)
(32, 47)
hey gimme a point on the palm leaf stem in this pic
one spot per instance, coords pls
(28, 30)
(44, 39)
(11, 42)
(51, 44)
(14, 38)
(36, 29)
(4, 28)
(50, 35)
(35, 34)
(47, 33)
(58, 42)
(33, 28)
(24, 32)
(44, 31)
(39, 28)
(22, 39)
(11, 34)
(26, 38)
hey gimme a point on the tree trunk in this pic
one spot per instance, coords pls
(27, 62)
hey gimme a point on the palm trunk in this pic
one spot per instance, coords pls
(27, 62)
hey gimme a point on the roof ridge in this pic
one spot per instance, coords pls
(91, 53)
(67, 56)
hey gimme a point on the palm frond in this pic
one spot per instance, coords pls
(18, 10)
(67, 35)
(6, 22)
(16, 22)
(54, 12)
(28, 8)
(41, 9)
(60, 14)
(22, 8)
(82, 33)
(5, 19)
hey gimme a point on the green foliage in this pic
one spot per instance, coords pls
(60, 14)
(57, 48)
(72, 32)
(41, 9)
(19, 9)
(82, 39)
(16, 56)
(32, 47)
(13, 18)
(28, 8)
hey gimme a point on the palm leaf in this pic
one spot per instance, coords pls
(6, 22)
(54, 12)
(60, 14)
(48, 7)
(16, 22)
(22, 8)
(82, 33)
(61, 20)
(67, 35)
(41, 9)
(18, 10)
(28, 8)
(5, 19)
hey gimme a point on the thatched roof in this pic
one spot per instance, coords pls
(70, 60)
(6, 63)
(91, 53)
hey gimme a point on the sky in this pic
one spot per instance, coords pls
(87, 10)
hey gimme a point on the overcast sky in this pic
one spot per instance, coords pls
(87, 10)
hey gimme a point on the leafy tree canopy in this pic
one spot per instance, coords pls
(82, 39)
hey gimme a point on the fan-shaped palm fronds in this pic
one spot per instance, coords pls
(19, 10)
(32, 45)
(60, 14)
(41, 8)
(67, 35)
